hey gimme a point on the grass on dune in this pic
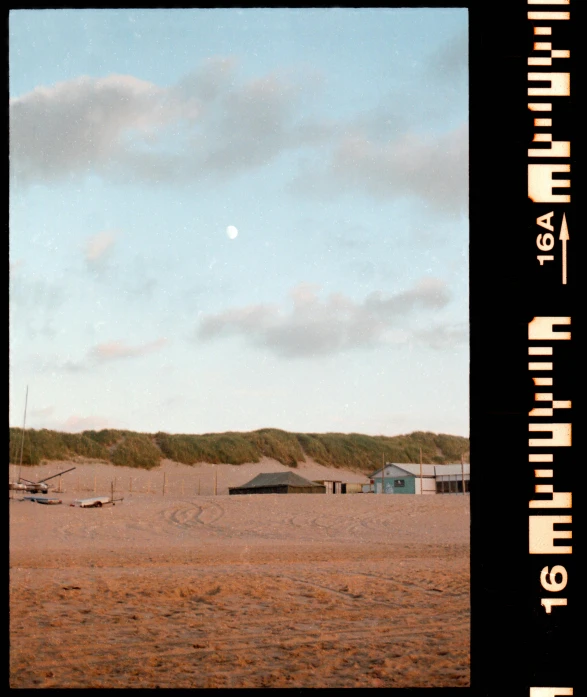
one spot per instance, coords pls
(343, 450)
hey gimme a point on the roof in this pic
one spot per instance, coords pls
(276, 479)
(427, 470)
(453, 469)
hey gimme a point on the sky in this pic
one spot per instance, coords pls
(333, 141)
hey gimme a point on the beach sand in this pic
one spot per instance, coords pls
(175, 588)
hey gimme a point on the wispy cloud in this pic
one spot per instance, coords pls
(313, 326)
(116, 350)
(433, 169)
(107, 352)
(442, 336)
(77, 424)
(450, 60)
(15, 266)
(41, 414)
(46, 417)
(98, 246)
(35, 304)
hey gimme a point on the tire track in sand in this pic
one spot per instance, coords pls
(192, 515)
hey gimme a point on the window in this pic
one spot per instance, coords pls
(399, 483)
(443, 486)
(451, 486)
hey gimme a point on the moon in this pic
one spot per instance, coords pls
(231, 231)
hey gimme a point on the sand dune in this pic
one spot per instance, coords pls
(177, 589)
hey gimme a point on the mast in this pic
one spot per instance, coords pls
(23, 428)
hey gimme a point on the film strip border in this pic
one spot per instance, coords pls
(550, 190)
(525, 275)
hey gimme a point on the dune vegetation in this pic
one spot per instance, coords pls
(353, 451)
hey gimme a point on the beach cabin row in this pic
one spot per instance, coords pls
(420, 479)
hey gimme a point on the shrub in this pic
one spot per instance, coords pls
(343, 450)
(136, 450)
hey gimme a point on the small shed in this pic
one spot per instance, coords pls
(333, 486)
(352, 488)
(278, 483)
(337, 486)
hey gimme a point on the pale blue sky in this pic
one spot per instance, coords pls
(335, 140)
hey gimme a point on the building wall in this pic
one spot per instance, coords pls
(352, 488)
(413, 485)
(318, 489)
(428, 485)
(392, 487)
(333, 486)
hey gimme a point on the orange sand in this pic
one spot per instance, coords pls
(187, 590)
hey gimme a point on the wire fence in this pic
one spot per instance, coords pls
(159, 483)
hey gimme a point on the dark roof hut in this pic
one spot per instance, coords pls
(278, 483)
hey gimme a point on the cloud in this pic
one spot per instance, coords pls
(116, 350)
(47, 418)
(433, 169)
(121, 127)
(41, 414)
(15, 267)
(106, 353)
(77, 424)
(99, 246)
(442, 336)
(312, 326)
(213, 125)
(75, 126)
(34, 304)
(450, 60)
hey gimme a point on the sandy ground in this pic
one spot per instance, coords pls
(180, 589)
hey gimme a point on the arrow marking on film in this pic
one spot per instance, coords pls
(564, 237)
